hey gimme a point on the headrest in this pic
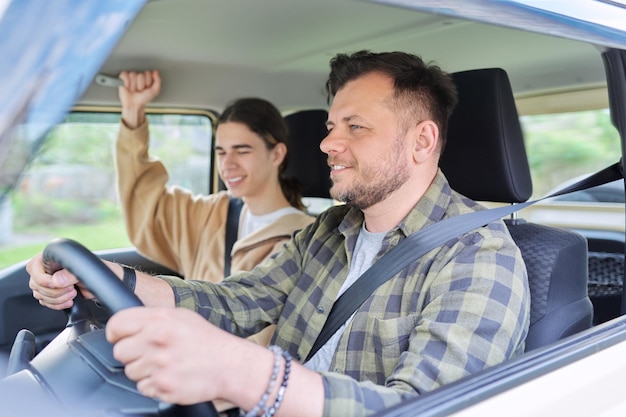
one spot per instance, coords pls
(307, 162)
(484, 157)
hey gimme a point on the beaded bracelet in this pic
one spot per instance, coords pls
(261, 406)
(281, 391)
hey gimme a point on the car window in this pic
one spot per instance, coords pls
(69, 188)
(562, 149)
(565, 146)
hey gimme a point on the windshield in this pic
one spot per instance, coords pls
(50, 54)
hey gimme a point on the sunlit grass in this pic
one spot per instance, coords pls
(104, 235)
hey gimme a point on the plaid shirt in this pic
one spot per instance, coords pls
(459, 309)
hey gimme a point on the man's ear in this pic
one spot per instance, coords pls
(279, 153)
(425, 142)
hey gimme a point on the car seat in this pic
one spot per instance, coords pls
(485, 159)
(606, 274)
(307, 162)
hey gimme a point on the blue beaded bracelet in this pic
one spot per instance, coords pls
(281, 391)
(261, 407)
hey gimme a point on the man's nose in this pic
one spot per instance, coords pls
(332, 143)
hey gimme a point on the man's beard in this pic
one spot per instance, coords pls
(373, 184)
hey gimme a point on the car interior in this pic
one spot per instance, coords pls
(209, 52)
(555, 258)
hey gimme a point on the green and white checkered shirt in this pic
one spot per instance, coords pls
(461, 308)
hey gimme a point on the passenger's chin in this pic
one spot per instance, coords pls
(236, 190)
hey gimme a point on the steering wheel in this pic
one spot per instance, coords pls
(92, 272)
(76, 372)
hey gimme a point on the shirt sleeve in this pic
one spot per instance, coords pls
(247, 301)
(164, 223)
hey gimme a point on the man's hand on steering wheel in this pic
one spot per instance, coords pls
(58, 290)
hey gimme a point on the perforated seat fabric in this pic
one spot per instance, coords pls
(485, 160)
(606, 279)
(559, 307)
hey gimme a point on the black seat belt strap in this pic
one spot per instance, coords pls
(416, 245)
(232, 229)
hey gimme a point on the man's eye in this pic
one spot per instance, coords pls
(355, 127)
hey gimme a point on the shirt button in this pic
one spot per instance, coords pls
(320, 309)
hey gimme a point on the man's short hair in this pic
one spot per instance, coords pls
(420, 89)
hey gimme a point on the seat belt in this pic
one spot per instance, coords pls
(423, 241)
(232, 229)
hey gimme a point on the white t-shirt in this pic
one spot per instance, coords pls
(251, 223)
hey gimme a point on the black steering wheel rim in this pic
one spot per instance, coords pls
(111, 292)
(94, 274)
(35, 374)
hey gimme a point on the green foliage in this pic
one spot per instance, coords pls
(170, 148)
(79, 144)
(564, 146)
(40, 210)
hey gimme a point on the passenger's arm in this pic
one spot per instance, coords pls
(157, 218)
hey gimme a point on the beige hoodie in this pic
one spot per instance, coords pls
(180, 230)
